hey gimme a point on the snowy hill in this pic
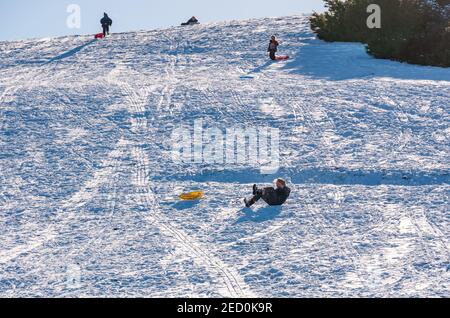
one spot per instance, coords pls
(88, 187)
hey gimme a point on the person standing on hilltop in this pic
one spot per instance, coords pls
(106, 22)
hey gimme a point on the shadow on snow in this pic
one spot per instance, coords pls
(71, 52)
(341, 61)
(261, 215)
(185, 205)
(337, 176)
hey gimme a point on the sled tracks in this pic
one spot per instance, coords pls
(69, 208)
(234, 285)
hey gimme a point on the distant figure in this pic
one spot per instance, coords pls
(270, 195)
(106, 23)
(191, 21)
(273, 48)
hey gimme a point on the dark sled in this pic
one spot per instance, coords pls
(189, 23)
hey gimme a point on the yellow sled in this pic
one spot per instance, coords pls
(192, 196)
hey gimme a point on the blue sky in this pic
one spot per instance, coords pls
(22, 19)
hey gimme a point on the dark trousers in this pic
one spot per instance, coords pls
(272, 55)
(264, 194)
(105, 29)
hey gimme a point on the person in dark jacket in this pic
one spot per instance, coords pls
(273, 48)
(106, 23)
(191, 21)
(270, 195)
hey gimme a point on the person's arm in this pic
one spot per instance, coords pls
(287, 193)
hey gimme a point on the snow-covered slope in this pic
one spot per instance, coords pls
(88, 188)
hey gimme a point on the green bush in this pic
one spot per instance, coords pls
(414, 31)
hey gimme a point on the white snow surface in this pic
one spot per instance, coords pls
(88, 189)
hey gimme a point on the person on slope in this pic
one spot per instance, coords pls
(106, 22)
(271, 196)
(191, 21)
(273, 48)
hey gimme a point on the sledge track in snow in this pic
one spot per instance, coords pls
(67, 210)
(31, 80)
(234, 284)
(187, 242)
(27, 81)
(75, 201)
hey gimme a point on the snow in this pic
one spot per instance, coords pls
(88, 188)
